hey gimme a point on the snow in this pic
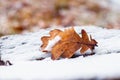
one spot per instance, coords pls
(52, 42)
(115, 5)
(83, 68)
(23, 50)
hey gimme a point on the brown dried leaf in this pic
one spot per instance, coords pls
(67, 46)
(69, 43)
(86, 43)
(54, 33)
(45, 40)
(85, 39)
(84, 48)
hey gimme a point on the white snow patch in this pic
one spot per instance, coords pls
(97, 66)
(115, 5)
(52, 42)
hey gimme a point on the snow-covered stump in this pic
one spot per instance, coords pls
(23, 50)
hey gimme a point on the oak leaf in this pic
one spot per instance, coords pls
(66, 43)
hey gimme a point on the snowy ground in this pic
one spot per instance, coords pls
(116, 2)
(23, 50)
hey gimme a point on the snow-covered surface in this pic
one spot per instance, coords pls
(116, 3)
(23, 50)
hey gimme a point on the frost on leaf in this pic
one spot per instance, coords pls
(66, 43)
(45, 39)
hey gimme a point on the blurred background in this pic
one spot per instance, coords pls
(19, 16)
